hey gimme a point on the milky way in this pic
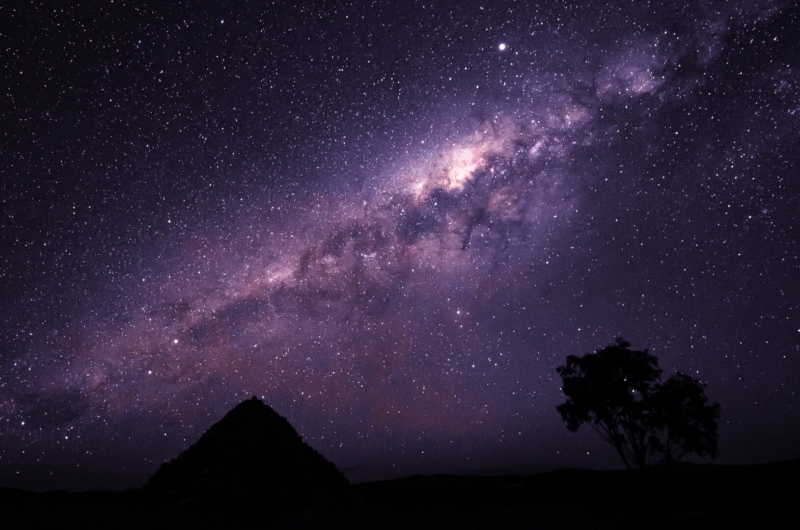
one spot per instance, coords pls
(392, 224)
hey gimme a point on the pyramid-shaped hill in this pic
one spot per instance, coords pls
(252, 454)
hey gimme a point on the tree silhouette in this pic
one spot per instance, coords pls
(617, 391)
(688, 424)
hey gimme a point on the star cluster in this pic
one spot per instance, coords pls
(392, 223)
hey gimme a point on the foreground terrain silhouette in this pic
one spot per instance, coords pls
(252, 470)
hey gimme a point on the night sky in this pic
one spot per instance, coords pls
(392, 221)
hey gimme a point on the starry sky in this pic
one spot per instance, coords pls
(392, 221)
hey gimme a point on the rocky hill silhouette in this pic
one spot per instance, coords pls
(252, 455)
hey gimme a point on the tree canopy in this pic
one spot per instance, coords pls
(618, 392)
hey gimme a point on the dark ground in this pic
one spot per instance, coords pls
(688, 496)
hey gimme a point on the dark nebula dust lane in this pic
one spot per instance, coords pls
(391, 223)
